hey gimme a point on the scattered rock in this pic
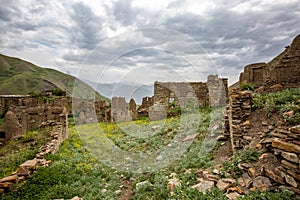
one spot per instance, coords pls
(222, 185)
(12, 179)
(290, 157)
(240, 181)
(247, 180)
(154, 128)
(216, 171)
(173, 183)
(76, 198)
(290, 180)
(262, 183)
(190, 137)
(233, 195)
(143, 184)
(251, 172)
(273, 176)
(221, 138)
(235, 189)
(289, 113)
(266, 157)
(204, 186)
(264, 123)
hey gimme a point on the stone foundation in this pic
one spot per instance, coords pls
(58, 132)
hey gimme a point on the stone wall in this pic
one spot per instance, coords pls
(143, 110)
(22, 119)
(283, 69)
(180, 93)
(236, 119)
(255, 74)
(157, 112)
(217, 91)
(58, 132)
(198, 94)
(286, 148)
(120, 109)
(280, 164)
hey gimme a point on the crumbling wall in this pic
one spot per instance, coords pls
(198, 94)
(31, 118)
(255, 74)
(180, 94)
(280, 163)
(217, 91)
(132, 109)
(238, 113)
(11, 126)
(283, 70)
(120, 109)
(57, 132)
(157, 112)
(143, 110)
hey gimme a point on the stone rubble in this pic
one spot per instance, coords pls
(279, 166)
(57, 135)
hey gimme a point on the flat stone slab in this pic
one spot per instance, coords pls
(29, 164)
(12, 178)
(277, 143)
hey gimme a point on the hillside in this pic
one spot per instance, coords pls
(21, 77)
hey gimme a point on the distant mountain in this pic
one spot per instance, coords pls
(21, 77)
(123, 89)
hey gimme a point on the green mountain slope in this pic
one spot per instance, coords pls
(21, 77)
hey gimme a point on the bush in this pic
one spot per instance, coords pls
(247, 86)
(283, 101)
(58, 92)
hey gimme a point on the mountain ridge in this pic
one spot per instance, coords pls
(21, 77)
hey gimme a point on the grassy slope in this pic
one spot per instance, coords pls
(20, 77)
(75, 172)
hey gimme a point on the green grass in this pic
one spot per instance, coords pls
(79, 170)
(242, 156)
(247, 86)
(18, 151)
(281, 102)
(21, 77)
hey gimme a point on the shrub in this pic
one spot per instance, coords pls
(283, 101)
(247, 86)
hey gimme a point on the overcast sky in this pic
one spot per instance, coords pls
(147, 40)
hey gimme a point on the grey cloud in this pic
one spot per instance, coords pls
(233, 37)
(87, 26)
(9, 10)
(123, 12)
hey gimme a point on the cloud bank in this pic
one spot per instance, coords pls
(144, 41)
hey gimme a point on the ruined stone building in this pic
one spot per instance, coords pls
(121, 110)
(23, 112)
(172, 95)
(22, 119)
(283, 69)
(195, 94)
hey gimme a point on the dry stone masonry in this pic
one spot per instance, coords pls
(58, 132)
(170, 96)
(238, 113)
(280, 164)
(284, 70)
(197, 94)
